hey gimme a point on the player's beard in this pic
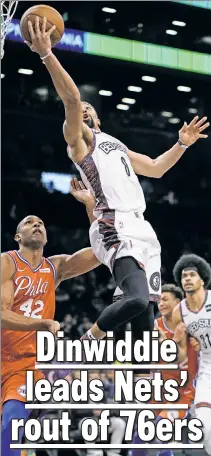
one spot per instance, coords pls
(90, 122)
(190, 292)
(34, 244)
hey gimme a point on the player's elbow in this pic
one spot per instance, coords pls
(154, 173)
(157, 170)
(160, 174)
(157, 175)
(150, 169)
(95, 263)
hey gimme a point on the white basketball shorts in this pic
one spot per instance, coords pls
(203, 387)
(121, 234)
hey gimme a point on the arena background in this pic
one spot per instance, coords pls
(161, 57)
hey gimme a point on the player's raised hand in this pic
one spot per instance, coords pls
(52, 326)
(80, 192)
(41, 39)
(195, 343)
(191, 132)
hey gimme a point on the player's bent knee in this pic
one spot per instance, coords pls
(138, 304)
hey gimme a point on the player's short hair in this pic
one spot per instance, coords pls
(89, 104)
(18, 228)
(171, 288)
(20, 223)
(196, 262)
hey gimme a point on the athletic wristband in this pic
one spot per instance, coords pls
(45, 56)
(181, 144)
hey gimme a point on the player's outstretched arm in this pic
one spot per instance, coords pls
(74, 129)
(13, 320)
(180, 336)
(69, 266)
(188, 135)
(80, 192)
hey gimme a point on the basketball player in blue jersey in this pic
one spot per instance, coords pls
(120, 236)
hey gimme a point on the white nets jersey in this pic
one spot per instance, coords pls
(199, 326)
(120, 229)
(108, 173)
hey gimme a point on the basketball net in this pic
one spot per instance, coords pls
(7, 11)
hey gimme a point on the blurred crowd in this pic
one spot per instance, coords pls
(116, 429)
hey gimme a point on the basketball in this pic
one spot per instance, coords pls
(52, 16)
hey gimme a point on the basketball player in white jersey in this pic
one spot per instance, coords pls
(141, 323)
(193, 314)
(120, 236)
(171, 296)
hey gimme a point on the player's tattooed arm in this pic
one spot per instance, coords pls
(188, 135)
(180, 335)
(82, 194)
(69, 266)
(13, 320)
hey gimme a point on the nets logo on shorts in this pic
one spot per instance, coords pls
(22, 390)
(155, 281)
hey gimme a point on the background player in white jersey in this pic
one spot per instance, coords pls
(193, 314)
(171, 296)
(120, 237)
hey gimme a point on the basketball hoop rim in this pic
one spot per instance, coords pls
(8, 8)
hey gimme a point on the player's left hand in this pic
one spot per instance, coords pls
(80, 192)
(41, 39)
(191, 132)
